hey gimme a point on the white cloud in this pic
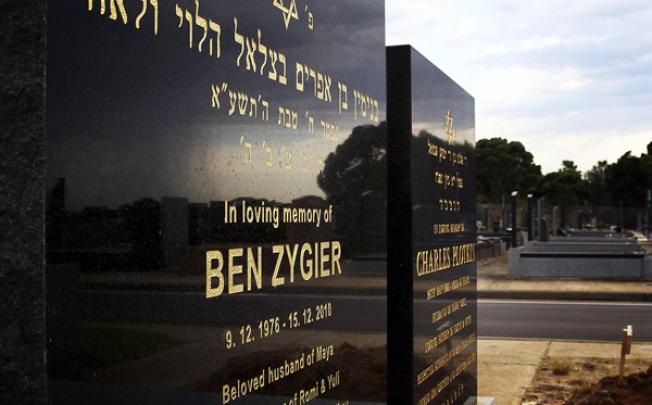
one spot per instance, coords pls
(589, 147)
(569, 80)
(495, 49)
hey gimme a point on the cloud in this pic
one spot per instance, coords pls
(545, 72)
(589, 147)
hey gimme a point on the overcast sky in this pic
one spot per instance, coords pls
(570, 80)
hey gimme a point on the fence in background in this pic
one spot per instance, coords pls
(497, 218)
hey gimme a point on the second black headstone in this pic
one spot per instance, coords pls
(432, 313)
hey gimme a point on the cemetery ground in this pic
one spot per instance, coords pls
(573, 355)
(534, 372)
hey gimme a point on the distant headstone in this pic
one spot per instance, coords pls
(432, 318)
(544, 234)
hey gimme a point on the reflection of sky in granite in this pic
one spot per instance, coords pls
(129, 114)
(433, 95)
(431, 101)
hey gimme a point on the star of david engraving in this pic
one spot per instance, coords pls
(449, 129)
(289, 13)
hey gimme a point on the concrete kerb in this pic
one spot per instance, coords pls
(565, 295)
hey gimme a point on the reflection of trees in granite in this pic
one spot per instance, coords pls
(208, 225)
(355, 182)
(357, 166)
(150, 235)
(143, 219)
(363, 373)
(100, 238)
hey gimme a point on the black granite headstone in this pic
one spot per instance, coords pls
(217, 173)
(22, 156)
(431, 257)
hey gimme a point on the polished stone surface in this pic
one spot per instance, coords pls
(22, 157)
(431, 163)
(242, 187)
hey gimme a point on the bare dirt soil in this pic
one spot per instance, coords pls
(589, 381)
(633, 389)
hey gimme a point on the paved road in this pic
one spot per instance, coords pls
(563, 319)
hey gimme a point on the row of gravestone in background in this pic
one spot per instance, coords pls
(585, 256)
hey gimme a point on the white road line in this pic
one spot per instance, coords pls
(577, 303)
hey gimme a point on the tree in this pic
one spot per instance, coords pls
(629, 178)
(564, 186)
(503, 167)
(568, 165)
(596, 180)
